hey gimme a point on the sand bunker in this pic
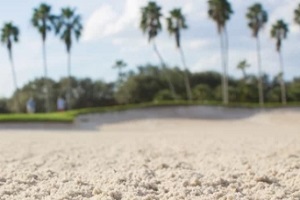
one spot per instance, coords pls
(255, 157)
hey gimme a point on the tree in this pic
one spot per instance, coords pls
(120, 65)
(32, 89)
(9, 35)
(220, 12)
(243, 65)
(176, 22)
(257, 18)
(203, 92)
(3, 106)
(279, 32)
(43, 21)
(297, 15)
(68, 26)
(243, 85)
(150, 24)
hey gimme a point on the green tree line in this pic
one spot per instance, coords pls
(147, 84)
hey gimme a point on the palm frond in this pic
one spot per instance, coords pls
(279, 32)
(9, 34)
(220, 12)
(243, 64)
(150, 20)
(68, 25)
(257, 18)
(176, 22)
(297, 15)
(43, 20)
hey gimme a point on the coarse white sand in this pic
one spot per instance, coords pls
(256, 157)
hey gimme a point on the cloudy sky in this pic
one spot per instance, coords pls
(111, 32)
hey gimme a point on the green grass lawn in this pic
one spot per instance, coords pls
(39, 117)
(69, 116)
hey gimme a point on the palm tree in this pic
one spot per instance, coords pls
(220, 12)
(68, 26)
(150, 24)
(120, 65)
(9, 35)
(279, 32)
(297, 15)
(257, 18)
(176, 22)
(43, 21)
(243, 65)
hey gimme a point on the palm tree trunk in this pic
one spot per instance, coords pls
(282, 84)
(244, 74)
(119, 74)
(260, 81)
(186, 77)
(171, 86)
(223, 68)
(69, 90)
(226, 60)
(46, 85)
(14, 78)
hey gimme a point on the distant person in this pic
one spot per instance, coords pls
(30, 105)
(61, 104)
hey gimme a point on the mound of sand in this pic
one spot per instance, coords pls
(256, 157)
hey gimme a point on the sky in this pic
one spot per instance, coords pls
(111, 32)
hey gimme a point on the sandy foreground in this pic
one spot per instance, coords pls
(255, 157)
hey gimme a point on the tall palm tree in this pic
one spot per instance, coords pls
(257, 18)
(297, 15)
(69, 26)
(243, 65)
(279, 32)
(176, 22)
(9, 35)
(150, 24)
(43, 21)
(220, 12)
(120, 65)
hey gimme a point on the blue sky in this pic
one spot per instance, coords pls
(111, 32)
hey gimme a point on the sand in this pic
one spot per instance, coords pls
(251, 156)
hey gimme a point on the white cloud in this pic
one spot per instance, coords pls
(106, 21)
(204, 63)
(130, 45)
(197, 44)
(101, 23)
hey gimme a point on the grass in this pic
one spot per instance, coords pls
(69, 116)
(39, 117)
